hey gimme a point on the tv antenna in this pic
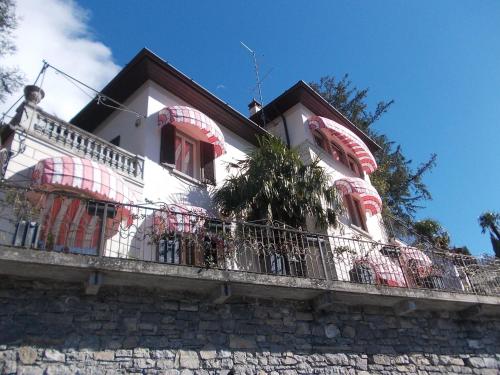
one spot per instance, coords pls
(259, 81)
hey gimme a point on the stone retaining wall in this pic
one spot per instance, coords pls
(53, 328)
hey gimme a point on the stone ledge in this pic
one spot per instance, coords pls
(125, 272)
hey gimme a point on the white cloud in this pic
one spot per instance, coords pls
(58, 31)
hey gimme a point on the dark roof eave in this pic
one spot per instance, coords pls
(301, 92)
(148, 66)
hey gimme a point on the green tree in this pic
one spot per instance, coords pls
(431, 232)
(273, 183)
(491, 221)
(400, 186)
(10, 77)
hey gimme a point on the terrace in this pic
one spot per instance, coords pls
(75, 141)
(62, 235)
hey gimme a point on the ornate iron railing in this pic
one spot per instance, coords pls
(59, 221)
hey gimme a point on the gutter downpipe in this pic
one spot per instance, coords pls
(285, 125)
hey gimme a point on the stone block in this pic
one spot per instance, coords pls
(188, 359)
(144, 363)
(163, 364)
(492, 362)
(289, 361)
(53, 355)
(27, 355)
(476, 362)
(306, 316)
(8, 367)
(104, 356)
(59, 370)
(303, 328)
(331, 331)
(337, 359)
(185, 306)
(29, 370)
(349, 332)
(141, 353)
(242, 342)
(381, 359)
(208, 352)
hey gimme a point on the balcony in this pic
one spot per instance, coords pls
(80, 143)
(59, 235)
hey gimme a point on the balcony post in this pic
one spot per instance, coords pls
(322, 258)
(102, 237)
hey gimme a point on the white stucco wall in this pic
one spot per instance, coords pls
(160, 183)
(123, 123)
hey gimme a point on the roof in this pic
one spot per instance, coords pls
(148, 66)
(301, 92)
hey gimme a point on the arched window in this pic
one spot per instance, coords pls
(355, 212)
(354, 166)
(337, 153)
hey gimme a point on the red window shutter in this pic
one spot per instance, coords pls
(167, 147)
(207, 153)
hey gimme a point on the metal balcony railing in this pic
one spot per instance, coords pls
(85, 144)
(61, 222)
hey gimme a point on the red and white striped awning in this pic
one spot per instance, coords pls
(195, 123)
(368, 195)
(176, 218)
(348, 139)
(72, 223)
(68, 226)
(81, 176)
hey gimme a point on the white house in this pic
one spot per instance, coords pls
(164, 150)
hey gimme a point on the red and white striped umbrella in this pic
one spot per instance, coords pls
(348, 139)
(179, 219)
(368, 195)
(195, 123)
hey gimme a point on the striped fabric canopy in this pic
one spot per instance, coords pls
(67, 225)
(348, 139)
(197, 123)
(72, 223)
(369, 196)
(179, 219)
(81, 176)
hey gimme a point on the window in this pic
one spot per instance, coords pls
(318, 138)
(338, 153)
(354, 166)
(355, 212)
(184, 154)
(187, 155)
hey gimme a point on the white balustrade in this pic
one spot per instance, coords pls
(88, 145)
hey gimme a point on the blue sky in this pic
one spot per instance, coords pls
(439, 61)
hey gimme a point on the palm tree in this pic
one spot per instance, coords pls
(491, 221)
(273, 183)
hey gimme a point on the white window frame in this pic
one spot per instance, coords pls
(195, 156)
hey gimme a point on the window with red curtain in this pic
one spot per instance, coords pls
(187, 155)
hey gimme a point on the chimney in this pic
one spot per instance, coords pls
(254, 107)
(33, 94)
